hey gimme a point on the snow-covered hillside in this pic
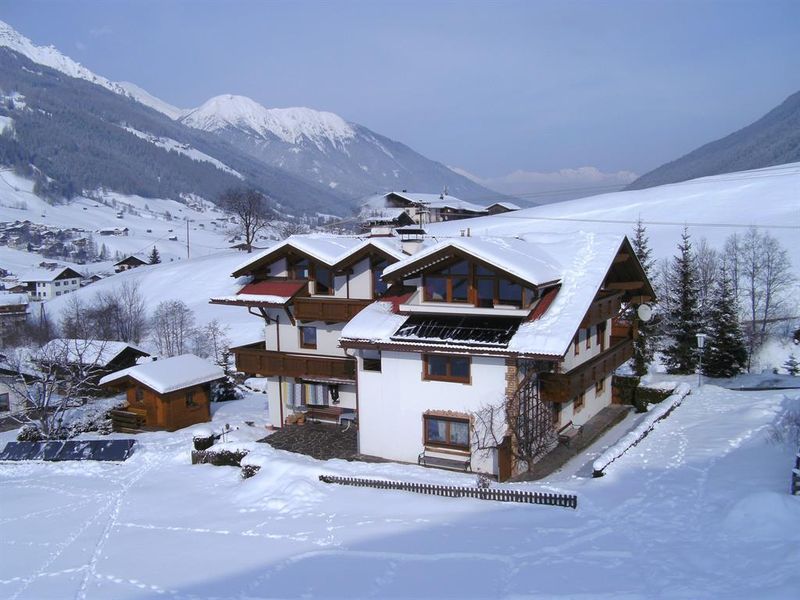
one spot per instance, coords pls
(712, 208)
(699, 509)
(192, 281)
(150, 221)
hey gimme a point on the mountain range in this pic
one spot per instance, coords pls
(84, 132)
(774, 139)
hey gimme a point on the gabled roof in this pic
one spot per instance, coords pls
(439, 201)
(169, 374)
(131, 258)
(331, 250)
(526, 261)
(585, 259)
(87, 352)
(506, 205)
(49, 274)
(13, 299)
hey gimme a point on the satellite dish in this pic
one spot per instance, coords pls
(645, 312)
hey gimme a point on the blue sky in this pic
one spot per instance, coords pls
(491, 87)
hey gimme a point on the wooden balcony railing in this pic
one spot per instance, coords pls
(255, 361)
(329, 310)
(563, 387)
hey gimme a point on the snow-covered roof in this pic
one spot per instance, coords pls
(440, 201)
(13, 299)
(506, 205)
(87, 352)
(527, 261)
(130, 257)
(328, 249)
(170, 374)
(584, 259)
(46, 274)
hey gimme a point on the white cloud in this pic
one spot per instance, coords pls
(553, 186)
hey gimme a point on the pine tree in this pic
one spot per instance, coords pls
(725, 354)
(682, 317)
(155, 257)
(644, 344)
(792, 365)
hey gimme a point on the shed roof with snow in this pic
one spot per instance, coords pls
(169, 374)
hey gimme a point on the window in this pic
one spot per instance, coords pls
(448, 285)
(308, 337)
(297, 268)
(588, 337)
(600, 385)
(58, 293)
(5, 402)
(379, 286)
(443, 367)
(578, 404)
(58, 283)
(190, 401)
(139, 395)
(601, 335)
(372, 360)
(447, 431)
(323, 281)
(576, 342)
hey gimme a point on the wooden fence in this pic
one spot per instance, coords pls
(449, 491)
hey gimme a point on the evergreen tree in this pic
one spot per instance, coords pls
(155, 257)
(725, 354)
(644, 344)
(682, 317)
(792, 365)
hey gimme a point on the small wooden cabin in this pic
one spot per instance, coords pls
(165, 394)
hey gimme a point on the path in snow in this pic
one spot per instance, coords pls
(698, 510)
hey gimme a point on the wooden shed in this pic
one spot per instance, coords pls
(165, 394)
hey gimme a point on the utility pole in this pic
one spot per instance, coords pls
(187, 238)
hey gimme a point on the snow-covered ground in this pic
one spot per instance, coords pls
(699, 509)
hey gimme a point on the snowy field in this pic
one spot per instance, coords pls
(699, 509)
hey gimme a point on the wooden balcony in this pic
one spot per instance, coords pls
(329, 310)
(255, 361)
(563, 387)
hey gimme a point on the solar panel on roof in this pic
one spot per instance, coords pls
(486, 331)
(55, 451)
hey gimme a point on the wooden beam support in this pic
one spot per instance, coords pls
(625, 285)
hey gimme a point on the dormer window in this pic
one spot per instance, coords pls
(448, 285)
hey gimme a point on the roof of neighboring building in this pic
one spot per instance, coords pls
(440, 201)
(170, 374)
(131, 258)
(87, 352)
(49, 274)
(13, 299)
(506, 205)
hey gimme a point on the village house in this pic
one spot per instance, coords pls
(401, 209)
(91, 359)
(129, 262)
(305, 289)
(527, 327)
(168, 394)
(13, 314)
(45, 284)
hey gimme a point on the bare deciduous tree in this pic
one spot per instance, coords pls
(707, 260)
(51, 380)
(172, 327)
(117, 314)
(251, 212)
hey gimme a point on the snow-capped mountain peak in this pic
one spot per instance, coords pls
(290, 125)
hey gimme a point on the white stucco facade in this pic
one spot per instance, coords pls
(393, 402)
